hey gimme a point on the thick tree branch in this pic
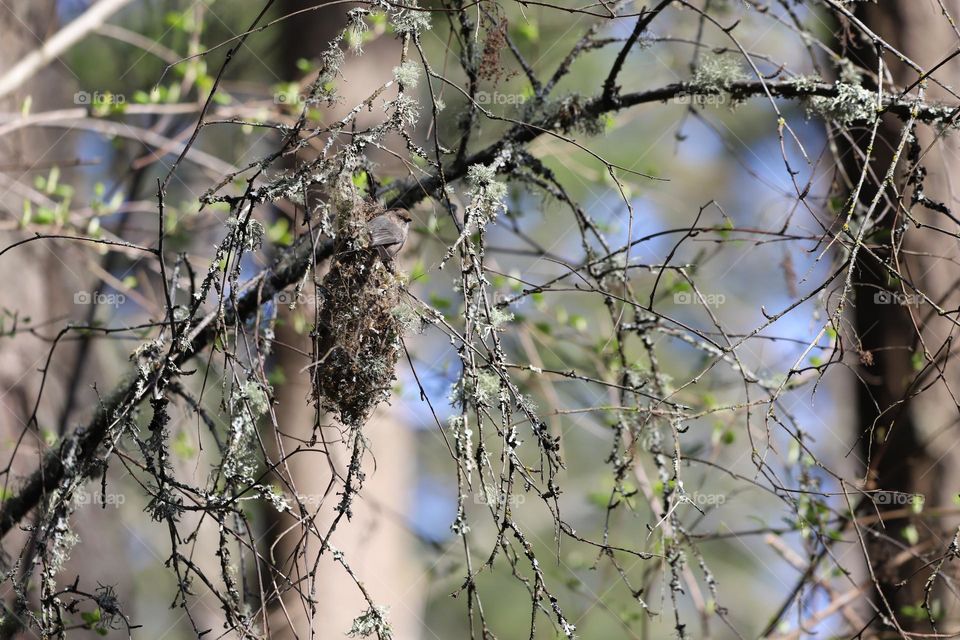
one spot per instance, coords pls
(566, 119)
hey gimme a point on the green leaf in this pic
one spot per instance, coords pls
(681, 286)
(276, 377)
(837, 204)
(598, 499)
(45, 215)
(279, 232)
(91, 617)
(378, 21)
(183, 447)
(916, 503)
(793, 452)
(918, 361)
(419, 273)
(725, 230)
(27, 216)
(53, 179)
(361, 180)
(49, 437)
(910, 534)
(527, 30)
(439, 302)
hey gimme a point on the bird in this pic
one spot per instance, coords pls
(388, 231)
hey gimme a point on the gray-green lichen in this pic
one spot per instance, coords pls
(408, 18)
(356, 28)
(486, 194)
(463, 440)
(407, 74)
(717, 73)
(248, 235)
(498, 317)
(479, 390)
(406, 110)
(247, 403)
(807, 83)
(408, 317)
(371, 623)
(852, 104)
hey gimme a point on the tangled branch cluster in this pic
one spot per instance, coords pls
(563, 344)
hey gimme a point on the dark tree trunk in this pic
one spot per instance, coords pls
(907, 405)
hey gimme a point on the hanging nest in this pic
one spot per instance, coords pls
(357, 339)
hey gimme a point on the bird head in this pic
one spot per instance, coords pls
(403, 214)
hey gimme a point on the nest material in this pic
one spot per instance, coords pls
(358, 331)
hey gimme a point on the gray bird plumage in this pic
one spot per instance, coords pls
(388, 231)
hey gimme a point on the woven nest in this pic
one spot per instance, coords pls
(358, 331)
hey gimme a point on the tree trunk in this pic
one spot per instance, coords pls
(906, 397)
(376, 543)
(38, 289)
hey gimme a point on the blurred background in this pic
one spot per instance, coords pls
(84, 142)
